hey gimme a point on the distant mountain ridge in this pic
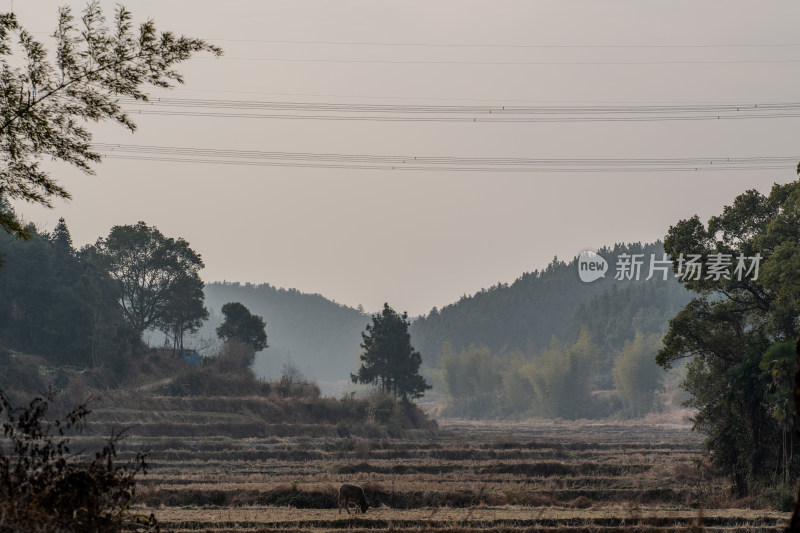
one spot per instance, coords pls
(322, 337)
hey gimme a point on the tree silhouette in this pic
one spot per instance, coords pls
(150, 270)
(388, 360)
(732, 332)
(46, 104)
(243, 326)
(183, 311)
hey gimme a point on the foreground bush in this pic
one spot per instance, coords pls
(44, 488)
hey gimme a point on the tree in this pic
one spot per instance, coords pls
(562, 378)
(183, 311)
(637, 377)
(46, 104)
(57, 302)
(243, 326)
(61, 237)
(388, 360)
(110, 334)
(780, 362)
(153, 273)
(473, 381)
(730, 326)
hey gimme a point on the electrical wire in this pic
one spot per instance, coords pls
(254, 109)
(506, 63)
(498, 45)
(438, 163)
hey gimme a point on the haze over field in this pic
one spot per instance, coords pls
(424, 238)
(452, 262)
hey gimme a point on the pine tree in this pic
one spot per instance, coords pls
(388, 359)
(61, 237)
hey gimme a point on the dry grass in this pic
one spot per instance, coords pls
(501, 518)
(471, 476)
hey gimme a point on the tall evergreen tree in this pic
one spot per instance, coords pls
(388, 359)
(61, 237)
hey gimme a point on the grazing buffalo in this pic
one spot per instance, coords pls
(352, 494)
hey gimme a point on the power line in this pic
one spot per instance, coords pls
(338, 106)
(499, 45)
(255, 109)
(438, 163)
(490, 101)
(493, 119)
(506, 63)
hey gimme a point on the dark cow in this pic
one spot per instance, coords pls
(352, 494)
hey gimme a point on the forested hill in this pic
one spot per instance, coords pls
(554, 302)
(322, 337)
(318, 335)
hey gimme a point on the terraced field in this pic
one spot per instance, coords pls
(470, 477)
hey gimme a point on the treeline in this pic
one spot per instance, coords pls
(90, 307)
(59, 302)
(84, 307)
(562, 381)
(542, 304)
(614, 318)
(594, 357)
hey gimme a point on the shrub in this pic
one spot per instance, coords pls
(342, 430)
(235, 358)
(19, 374)
(44, 488)
(780, 497)
(380, 407)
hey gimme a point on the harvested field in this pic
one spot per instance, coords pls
(516, 519)
(473, 476)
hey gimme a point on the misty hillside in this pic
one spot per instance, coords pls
(554, 302)
(318, 335)
(322, 337)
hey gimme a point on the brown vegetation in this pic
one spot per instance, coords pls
(470, 477)
(46, 489)
(272, 456)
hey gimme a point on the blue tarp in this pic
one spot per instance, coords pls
(192, 358)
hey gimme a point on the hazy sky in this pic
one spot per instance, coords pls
(419, 239)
